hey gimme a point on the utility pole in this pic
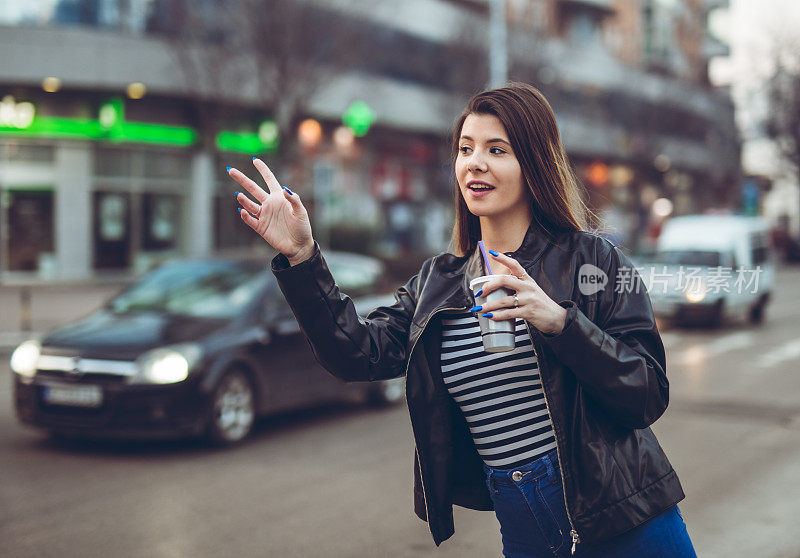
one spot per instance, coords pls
(498, 51)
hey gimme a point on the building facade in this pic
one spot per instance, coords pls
(109, 160)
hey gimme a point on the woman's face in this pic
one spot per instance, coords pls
(485, 155)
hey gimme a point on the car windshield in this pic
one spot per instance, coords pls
(209, 289)
(708, 258)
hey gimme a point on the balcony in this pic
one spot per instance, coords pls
(605, 6)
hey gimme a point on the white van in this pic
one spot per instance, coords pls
(710, 267)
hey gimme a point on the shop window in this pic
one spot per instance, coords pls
(161, 227)
(30, 228)
(159, 164)
(113, 162)
(13, 150)
(112, 230)
(583, 29)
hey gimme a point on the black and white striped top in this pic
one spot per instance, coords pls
(500, 394)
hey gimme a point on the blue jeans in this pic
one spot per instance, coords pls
(533, 519)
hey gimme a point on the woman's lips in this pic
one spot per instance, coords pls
(480, 193)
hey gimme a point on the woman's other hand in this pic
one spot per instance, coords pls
(278, 216)
(534, 305)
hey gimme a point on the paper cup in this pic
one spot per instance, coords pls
(498, 335)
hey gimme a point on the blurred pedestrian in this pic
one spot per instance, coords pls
(554, 435)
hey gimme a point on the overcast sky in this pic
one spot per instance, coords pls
(750, 28)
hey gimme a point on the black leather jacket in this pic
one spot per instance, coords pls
(603, 376)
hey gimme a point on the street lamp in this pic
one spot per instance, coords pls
(498, 51)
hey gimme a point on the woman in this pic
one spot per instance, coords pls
(553, 436)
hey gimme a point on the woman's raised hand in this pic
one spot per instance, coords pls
(278, 216)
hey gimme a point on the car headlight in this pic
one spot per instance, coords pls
(696, 292)
(167, 365)
(24, 359)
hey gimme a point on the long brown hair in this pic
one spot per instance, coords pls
(555, 194)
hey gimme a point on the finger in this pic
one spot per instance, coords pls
(248, 204)
(499, 304)
(507, 281)
(294, 199)
(515, 267)
(506, 314)
(266, 174)
(258, 192)
(251, 221)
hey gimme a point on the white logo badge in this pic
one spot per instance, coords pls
(591, 279)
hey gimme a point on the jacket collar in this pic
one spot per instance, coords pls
(457, 271)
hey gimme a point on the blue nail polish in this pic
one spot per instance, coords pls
(228, 169)
(254, 158)
(239, 210)
(479, 292)
(288, 190)
(487, 315)
(493, 253)
(236, 195)
(475, 309)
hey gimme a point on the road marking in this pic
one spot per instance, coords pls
(740, 340)
(788, 351)
(699, 353)
(669, 339)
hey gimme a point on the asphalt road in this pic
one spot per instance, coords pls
(336, 482)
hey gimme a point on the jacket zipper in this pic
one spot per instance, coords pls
(408, 365)
(573, 533)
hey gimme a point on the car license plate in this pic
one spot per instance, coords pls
(76, 396)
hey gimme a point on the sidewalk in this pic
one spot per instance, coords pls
(50, 305)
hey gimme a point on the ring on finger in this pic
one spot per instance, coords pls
(516, 300)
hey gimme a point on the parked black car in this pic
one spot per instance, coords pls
(195, 347)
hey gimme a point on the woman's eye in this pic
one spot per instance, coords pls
(493, 150)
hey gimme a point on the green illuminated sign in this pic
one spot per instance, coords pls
(111, 126)
(112, 116)
(244, 142)
(358, 117)
(77, 128)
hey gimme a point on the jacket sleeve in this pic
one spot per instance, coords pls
(620, 359)
(345, 344)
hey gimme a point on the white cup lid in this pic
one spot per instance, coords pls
(484, 278)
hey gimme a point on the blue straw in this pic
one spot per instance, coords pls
(485, 257)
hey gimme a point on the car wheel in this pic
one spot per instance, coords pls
(756, 313)
(232, 409)
(387, 392)
(717, 314)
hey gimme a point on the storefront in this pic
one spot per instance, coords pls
(86, 191)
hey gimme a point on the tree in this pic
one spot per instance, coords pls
(782, 119)
(248, 53)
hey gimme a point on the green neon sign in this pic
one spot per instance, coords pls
(111, 126)
(112, 114)
(358, 117)
(266, 139)
(132, 132)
